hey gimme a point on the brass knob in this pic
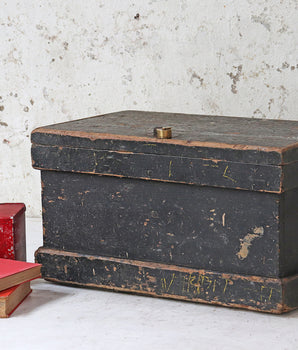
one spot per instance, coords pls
(163, 133)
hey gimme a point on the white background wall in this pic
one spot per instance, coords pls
(63, 60)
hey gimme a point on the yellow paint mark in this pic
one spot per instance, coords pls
(223, 219)
(214, 286)
(226, 176)
(212, 165)
(183, 285)
(164, 283)
(191, 278)
(246, 242)
(262, 294)
(95, 161)
(197, 284)
(208, 280)
(262, 287)
(170, 168)
(226, 284)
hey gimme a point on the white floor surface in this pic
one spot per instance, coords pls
(59, 317)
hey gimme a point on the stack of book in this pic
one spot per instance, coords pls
(15, 277)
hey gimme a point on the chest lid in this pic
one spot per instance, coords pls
(254, 154)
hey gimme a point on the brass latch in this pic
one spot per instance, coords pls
(163, 133)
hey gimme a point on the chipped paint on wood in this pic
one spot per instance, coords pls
(223, 219)
(246, 242)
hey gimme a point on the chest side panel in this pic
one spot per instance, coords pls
(200, 227)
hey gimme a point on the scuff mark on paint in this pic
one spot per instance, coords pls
(223, 219)
(194, 76)
(46, 95)
(282, 98)
(235, 78)
(262, 20)
(259, 114)
(271, 101)
(287, 66)
(13, 57)
(246, 242)
(170, 168)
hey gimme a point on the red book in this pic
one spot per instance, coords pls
(12, 231)
(11, 298)
(13, 272)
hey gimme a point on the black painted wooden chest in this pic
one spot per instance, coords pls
(210, 215)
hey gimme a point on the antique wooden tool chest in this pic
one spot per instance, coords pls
(209, 215)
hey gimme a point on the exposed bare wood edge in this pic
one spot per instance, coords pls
(161, 180)
(290, 147)
(287, 149)
(289, 163)
(95, 136)
(278, 310)
(154, 265)
(289, 278)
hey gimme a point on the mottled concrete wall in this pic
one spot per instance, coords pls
(61, 60)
